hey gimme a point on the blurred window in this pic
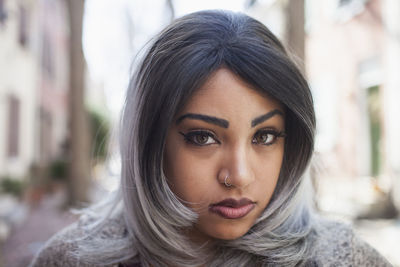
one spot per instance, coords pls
(47, 55)
(23, 26)
(13, 126)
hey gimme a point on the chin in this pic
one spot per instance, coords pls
(221, 229)
(229, 234)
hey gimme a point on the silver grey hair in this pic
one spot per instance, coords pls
(179, 61)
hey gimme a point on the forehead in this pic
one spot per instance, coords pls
(226, 93)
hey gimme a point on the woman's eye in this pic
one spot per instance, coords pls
(200, 138)
(266, 137)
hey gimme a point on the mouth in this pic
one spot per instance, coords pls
(232, 209)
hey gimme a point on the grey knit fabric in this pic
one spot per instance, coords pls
(334, 244)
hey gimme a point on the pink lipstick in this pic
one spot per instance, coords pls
(232, 209)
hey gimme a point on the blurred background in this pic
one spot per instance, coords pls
(65, 66)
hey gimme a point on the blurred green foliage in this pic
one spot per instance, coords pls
(58, 169)
(12, 186)
(374, 113)
(100, 130)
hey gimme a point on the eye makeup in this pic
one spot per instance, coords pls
(200, 137)
(267, 136)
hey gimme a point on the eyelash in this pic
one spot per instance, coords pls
(276, 134)
(191, 136)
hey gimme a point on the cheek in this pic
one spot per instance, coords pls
(187, 176)
(267, 170)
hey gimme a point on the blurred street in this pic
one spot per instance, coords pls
(39, 224)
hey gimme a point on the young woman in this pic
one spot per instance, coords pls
(217, 132)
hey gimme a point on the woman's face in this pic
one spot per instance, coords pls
(227, 130)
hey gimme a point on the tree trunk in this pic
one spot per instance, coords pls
(79, 168)
(295, 34)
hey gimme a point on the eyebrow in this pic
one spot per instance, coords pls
(265, 117)
(209, 119)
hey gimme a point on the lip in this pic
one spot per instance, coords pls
(232, 209)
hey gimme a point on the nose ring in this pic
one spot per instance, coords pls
(225, 181)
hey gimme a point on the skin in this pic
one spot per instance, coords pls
(195, 166)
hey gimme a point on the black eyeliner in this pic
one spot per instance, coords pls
(277, 134)
(188, 136)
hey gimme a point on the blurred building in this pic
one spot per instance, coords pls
(345, 43)
(53, 88)
(353, 61)
(348, 70)
(391, 107)
(33, 84)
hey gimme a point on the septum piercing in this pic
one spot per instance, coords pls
(226, 183)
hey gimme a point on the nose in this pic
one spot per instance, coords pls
(239, 165)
